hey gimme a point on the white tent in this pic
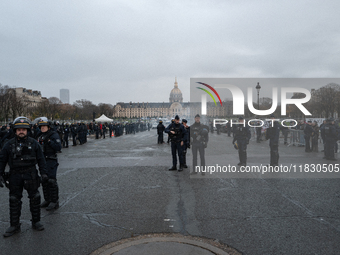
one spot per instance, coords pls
(103, 118)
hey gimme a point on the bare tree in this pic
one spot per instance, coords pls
(106, 109)
(54, 105)
(328, 99)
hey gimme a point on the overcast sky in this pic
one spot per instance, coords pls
(111, 51)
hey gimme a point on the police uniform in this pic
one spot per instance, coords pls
(22, 154)
(330, 135)
(199, 141)
(186, 144)
(273, 134)
(66, 134)
(242, 135)
(50, 144)
(74, 131)
(308, 132)
(160, 130)
(180, 135)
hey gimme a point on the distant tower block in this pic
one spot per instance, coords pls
(65, 96)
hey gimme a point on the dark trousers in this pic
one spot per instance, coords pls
(50, 187)
(329, 148)
(200, 148)
(74, 137)
(307, 143)
(315, 144)
(258, 135)
(176, 148)
(285, 135)
(274, 153)
(65, 141)
(17, 182)
(52, 166)
(242, 150)
(160, 138)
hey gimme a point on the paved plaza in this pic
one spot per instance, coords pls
(118, 188)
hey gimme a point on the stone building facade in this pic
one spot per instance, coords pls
(174, 107)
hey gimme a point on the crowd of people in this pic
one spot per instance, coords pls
(25, 144)
(78, 132)
(307, 134)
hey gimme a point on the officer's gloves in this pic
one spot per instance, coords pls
(2, 181)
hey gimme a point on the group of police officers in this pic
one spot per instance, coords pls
(183, 137)
(25, 147)
(22, 152)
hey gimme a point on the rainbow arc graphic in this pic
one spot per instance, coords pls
(209, 93)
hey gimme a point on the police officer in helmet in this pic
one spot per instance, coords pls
(178, 135)
(22, 153)
(50, 144)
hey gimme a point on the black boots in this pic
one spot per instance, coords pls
(14, 214)
(12, 230)
(52, 206)
(51, 195)
(37, 226)
(173, 168)
(46, 192)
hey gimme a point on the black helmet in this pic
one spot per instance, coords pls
(21, 122)
(43, 121)
(184, 120)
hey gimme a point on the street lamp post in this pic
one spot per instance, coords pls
(258, 87)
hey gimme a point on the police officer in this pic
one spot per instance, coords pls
(330, 135)
(178, 135)
(74, 132)
(273, 134)
(66, 134)
(50, 144)
(110, 129)
(186, 143)
(22, 153)
(104, 130)
(308, 132)
(198, 141)
(228, 129)
(160, 130)
(242, 135)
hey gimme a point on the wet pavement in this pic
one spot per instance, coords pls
(119, 188)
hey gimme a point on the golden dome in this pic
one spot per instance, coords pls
(176, 94)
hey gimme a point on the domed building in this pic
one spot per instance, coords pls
(176, 94)
(170, 109)
(174, 107)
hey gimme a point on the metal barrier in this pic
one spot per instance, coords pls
(296, 137)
